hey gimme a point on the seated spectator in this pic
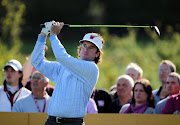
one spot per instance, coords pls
(172, 105)
(142, 100)
(165, 68)
(12, 89)
(28, 69)
(124, 91)
(39, 100)
(134, 71)
(92, 107)
(173, 87)
(102, 99)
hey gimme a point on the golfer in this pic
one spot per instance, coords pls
(74, 78)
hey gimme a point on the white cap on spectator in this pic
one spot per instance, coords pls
(16, 65)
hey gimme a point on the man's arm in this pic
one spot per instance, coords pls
(86, 70)
(47, 68)
(169, 107)
(27, 70)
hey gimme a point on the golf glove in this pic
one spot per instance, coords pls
(47, 28)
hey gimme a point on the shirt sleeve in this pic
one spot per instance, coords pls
(169, 107)
(47, 68)
(86, 70)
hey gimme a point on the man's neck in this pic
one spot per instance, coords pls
(12, 89)
(16, 83)
(124, 100)
(38, 94)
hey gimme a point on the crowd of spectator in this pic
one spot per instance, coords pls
(26, 90)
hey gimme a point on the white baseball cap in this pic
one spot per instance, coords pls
(16, 65)
(92, 37)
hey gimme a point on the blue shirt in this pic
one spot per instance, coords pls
(74, 78)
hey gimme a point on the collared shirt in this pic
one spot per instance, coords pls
(74, 78)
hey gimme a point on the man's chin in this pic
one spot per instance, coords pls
(86, 59)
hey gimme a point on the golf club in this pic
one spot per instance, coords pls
(125, 26)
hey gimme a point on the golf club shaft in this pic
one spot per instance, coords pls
(105, 26)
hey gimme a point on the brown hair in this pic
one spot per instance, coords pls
(174, 74)
(169, 63)
(147, 88)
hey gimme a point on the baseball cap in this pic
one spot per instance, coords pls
(16, 65)
(93, 38)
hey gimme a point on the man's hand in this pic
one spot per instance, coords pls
(46, 30)
(56, 28)
(164, 92)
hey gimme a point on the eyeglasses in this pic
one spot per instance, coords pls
(36, 78)
(163, 71)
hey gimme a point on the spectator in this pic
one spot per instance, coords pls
(113, 92)
(38, 100)
(134, 71)
(12, 89)
(92, 107)
(165, 68)
(102, 99)
(172, 105)
(173, 87)
(74, 78)
(124, 91)
(28, 70)
(142, 100)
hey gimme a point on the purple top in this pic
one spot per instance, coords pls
(92, 107)
(136, 109)
(172, 104)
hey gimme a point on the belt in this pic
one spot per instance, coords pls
(65, 120)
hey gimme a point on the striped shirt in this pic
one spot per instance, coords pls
(74, 78)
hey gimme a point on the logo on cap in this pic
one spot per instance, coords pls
(91, 37)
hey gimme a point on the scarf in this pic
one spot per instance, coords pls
(138, 109)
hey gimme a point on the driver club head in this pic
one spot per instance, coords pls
(156, 29)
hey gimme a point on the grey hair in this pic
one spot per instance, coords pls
(136, 67)
(45, 78)
(127, 77)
